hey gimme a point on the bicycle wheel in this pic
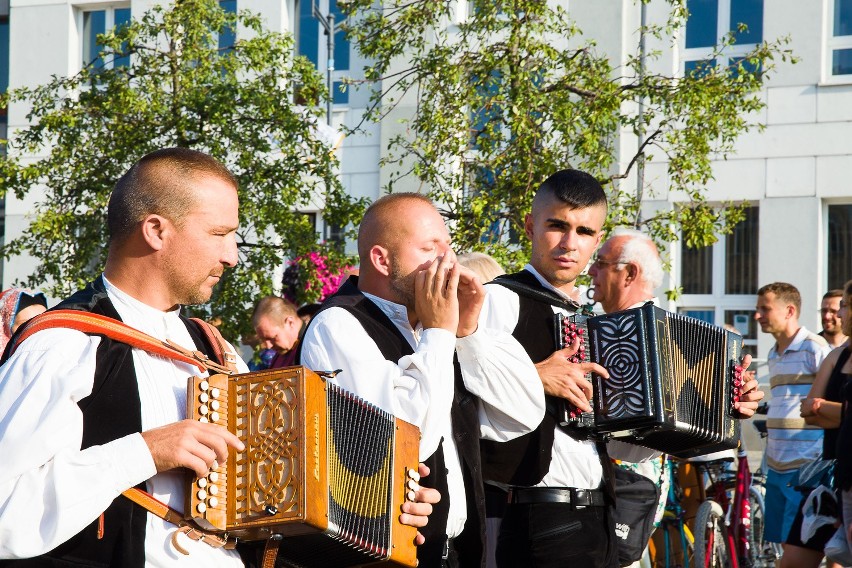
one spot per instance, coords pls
(711, 549)
(761, 553)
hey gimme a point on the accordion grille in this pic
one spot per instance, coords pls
(360, 468)
(266, 420)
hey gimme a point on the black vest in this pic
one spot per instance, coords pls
(525, 460)
(465, 428)
(112, 411)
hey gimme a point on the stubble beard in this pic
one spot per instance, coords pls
(402, 285)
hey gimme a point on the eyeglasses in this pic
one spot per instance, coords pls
(603, 262)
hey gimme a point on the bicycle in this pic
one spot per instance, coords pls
(674, 520)
(729, 524)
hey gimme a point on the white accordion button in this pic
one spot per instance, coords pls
(213, 490)
(214, 405)
(201, 507)
(214, 477)
(202, 482)
(213, 501)
(214, 417)
(413, 475)
(214, 393)
(203, 410)
(202, 494)
(204, 385)
(203, 397)
(203, 419)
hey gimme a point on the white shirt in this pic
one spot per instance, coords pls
(574, 463)
(50, 489)
(419, 388)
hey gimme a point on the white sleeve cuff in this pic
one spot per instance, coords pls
(131, 459)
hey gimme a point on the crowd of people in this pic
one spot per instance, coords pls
(417, 332)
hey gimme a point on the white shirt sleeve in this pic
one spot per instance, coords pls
(50, 489)
(418, 388)
(497, 369)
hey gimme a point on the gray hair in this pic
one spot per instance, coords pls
(641, 250)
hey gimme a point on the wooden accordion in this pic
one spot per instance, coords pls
(322, 469)
(673, 379)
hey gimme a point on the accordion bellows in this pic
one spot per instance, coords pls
(322, 468)
(672, 383)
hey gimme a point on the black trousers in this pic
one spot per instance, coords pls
(556, 535)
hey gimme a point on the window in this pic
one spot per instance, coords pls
(711, 20)
(839, 245)
(96, 22)
(839, 34)
(309, 30)
(228, 36)
(719, 282)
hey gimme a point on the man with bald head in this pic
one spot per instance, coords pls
(85, 417)
(394, 331)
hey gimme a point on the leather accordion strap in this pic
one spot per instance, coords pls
(102, 325)
(87, 322)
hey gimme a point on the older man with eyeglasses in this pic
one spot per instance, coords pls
(626, 271)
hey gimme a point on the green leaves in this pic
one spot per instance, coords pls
(513, 92)
(179, 89)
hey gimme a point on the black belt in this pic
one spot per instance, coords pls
(569, 495)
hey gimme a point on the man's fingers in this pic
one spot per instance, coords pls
(594, 368)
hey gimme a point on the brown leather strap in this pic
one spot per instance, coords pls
(102, 325)
(223, 354)
(270, 552)
(192, 531)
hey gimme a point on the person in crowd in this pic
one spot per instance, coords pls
(823, 408)
(482, 264)
(278, 327)
(17, 306)
(793, 363)
(625, 273)
(394, 331)
(308, 311)
(559, 488)
(85, 418)
(832, 321)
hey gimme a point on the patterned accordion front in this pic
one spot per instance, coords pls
(673, 381)
(322, 468)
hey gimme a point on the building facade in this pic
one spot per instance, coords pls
(793, 173)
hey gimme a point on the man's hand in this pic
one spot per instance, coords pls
(416, 513)
(191, 444)
(436, 294)
(566, 380)
(750, 397)
(471, 294)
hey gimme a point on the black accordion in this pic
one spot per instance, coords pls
(673, 381)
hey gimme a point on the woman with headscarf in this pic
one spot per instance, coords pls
(17, 306)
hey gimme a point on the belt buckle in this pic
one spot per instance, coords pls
(580, 498)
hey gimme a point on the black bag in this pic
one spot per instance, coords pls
(636, 499)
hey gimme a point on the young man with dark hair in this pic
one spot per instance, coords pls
(558, 483)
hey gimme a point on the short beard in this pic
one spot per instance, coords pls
(402, 285)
